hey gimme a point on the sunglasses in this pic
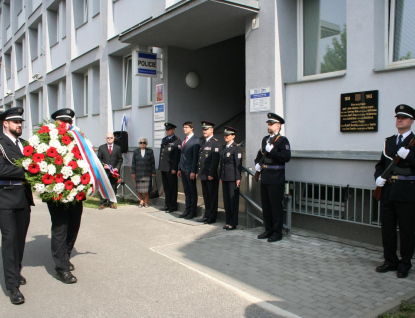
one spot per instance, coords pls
(142, 142)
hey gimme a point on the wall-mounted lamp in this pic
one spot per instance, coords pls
(37, 77)
(192, 80)
(9, 93)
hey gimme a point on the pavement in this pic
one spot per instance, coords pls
(142, 262)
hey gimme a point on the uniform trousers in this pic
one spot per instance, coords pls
(271, 198)
(210, 189)
(231, 202)
(170, 185)
(114, 184)
(13, 224)
(393, 213)
(65, 227)
(190, 192)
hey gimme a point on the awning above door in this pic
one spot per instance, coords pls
(192, 25)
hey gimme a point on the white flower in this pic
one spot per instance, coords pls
(39, 187)
(26, 163)
(73, 192)
(54, 132)
(85, 169)
(81, 163)
(58, 188)
(34, 140)
(76, 179)
(49, 189)
(62, 150)
(43, 166)
(89, 191)
(68, 157)
(42, 148)
(80, 188)
(54, 137)
(51, 169)
(54, 143)
(70, 198)
(70, 146)
(51, 126)
(65, 201)
(67, 172)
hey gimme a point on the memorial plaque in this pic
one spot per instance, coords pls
(359, 111)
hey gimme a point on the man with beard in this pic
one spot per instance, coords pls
(16, 199)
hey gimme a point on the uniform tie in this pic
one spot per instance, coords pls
(110, 150)
(400, 140)
(17, 144)
(184, 142)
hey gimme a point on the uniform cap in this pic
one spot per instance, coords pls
(405, 110)
(14, 113)
(274, 118)
(229, 131)
(169, 126)
(63, 113)
(207, 124)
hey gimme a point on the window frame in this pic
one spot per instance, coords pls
(86, 94)
(125, 64)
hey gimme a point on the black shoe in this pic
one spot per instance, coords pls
(66, 277)
(22, 280)
(264, 235)
(189, 216)
(171, 211)
(231, 228)
(202, 220)
(210, 221)
(184, 214)
(71, 267)
(16, 297)
(275, 238)
(402, 273)
(225, 227)
(386, 268)
(166, 208)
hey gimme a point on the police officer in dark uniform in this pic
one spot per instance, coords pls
(397, 203)
(66, 221)
(230, 177)
(16, 199)
(270, 161)
(207, 172)
(168, 165)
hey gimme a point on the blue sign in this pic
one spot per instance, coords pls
(147, 64)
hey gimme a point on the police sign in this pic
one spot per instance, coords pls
(147, 64)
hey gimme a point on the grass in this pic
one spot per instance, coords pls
(405, 311)
(93, 202)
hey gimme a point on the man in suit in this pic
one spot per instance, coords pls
(168, 165)
(207, 172)
(270, 161)
(16, 199)
(111, 156)
(187, 169)
(397, 203)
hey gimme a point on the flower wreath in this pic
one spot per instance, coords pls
(54, 166)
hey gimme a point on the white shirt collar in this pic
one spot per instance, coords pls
(227, 146)
(403, 135)
(11, 137)
(189, 136)
(207, 139)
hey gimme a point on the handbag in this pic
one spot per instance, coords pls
(154, 194)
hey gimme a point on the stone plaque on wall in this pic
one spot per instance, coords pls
(359, 111)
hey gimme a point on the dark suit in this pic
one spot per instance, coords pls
(207, 166)
(143, 168)
(188, 165)
(397, 205)
(115, 160)
(169, 160)
(272, 183)
(230, 172)
(14, 212)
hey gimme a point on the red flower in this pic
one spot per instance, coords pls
(66, 140)
(43, 130)
(34, 168)
(58, 160)
(62, 131)
(69, 185)
(58, 198)
(59, 178)
(52, 152)
(80, 196)
(85, 178)
(62, 124)
(75, 150)
(38, 157)
(28, 150)
(72, 164)
(48, 179)
(78, 155)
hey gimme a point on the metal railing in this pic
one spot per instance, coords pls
(333, 201)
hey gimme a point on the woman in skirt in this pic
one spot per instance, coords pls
(142, 170)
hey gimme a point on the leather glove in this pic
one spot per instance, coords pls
(258, 167)
(380, 182)
(269, 147)
(403, 152)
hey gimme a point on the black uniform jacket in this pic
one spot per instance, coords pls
(209, 156)
(170, 154)
(13, 196)
(231, 163)
(278, 156)
(114, 159)
(399, 190)
(189, 155)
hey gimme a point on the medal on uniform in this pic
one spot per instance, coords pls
(206, 155)
(169, 149)
(228, 154)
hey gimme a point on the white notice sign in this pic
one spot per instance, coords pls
(159, 112)
(159, 126)
(159, 134)
(260, 99)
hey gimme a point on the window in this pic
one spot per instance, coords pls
(86, 95)
(127, 83)
(95, 7)
(19, 55)
(34, 42)
(85, 11)
(53, 27)
(63, 19)
(80, 8)
(401, 32)
(8, 64)
(323, 37)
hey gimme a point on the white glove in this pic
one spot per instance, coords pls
(269, 147)
(403, 152)
(258, 167)
(380, 182)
